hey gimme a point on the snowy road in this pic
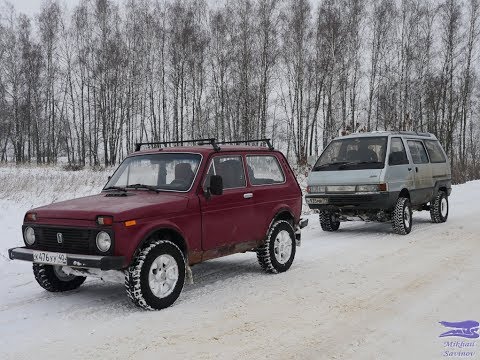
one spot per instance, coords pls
(360, 293)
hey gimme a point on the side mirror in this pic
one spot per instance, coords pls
(216, 185)
(311, 160)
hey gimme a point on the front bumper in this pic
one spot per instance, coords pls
(74, 260)
(356, 201)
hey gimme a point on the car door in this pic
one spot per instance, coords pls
(423, 188)
(399, 172)
(269, 189)
(227, 218)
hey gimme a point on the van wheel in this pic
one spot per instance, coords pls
(53, 279)
(278, 252)
(157, 275)
(402, 217)
(439, 208)
(328, 221)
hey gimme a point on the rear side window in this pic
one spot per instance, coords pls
(398, 156)
(230, 168)
(418, 152)
(435, 151)
(264, 170)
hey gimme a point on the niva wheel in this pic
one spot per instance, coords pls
(156, 277)
(328, 221)
(278, 252)
(439, 208)
(53, 279)
(402, 217)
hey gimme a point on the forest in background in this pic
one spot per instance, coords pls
(85, 84)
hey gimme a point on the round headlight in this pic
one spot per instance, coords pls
(103, 241)
(29, 236)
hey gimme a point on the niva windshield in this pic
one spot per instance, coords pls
(353, 154)
(158, 172)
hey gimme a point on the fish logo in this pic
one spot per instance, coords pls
(466, 329)
(60, 238)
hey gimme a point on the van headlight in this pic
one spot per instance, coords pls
(316, 189)
(371, 188)
(104, 241)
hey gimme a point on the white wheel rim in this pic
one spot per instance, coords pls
(282, 247)
(163, 276)
(407, 216)
(444, 207)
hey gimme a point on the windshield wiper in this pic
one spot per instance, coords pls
(342, 166)
(115, 188)
(143, 186)
(318, 167)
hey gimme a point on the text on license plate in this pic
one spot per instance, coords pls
(46, 257)
(317, 200)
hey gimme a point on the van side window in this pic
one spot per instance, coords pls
(230, 168)
(398, 156)
(419, 154)
(435, 151)
(264, 170)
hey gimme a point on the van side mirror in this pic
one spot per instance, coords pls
(216, 185)
(311, 160)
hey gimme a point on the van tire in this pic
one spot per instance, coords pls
(328, 221)
(439, 208)
(402, 216)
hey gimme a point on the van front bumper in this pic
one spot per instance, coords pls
(356, 201)
(74, 260)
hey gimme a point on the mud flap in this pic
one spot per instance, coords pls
(188, 275)
(298, 231)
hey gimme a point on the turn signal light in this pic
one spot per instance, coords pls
(105, 220)
(382, 187)
(130, 223)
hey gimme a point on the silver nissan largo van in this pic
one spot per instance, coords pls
(380, 176)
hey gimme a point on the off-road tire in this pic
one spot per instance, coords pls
(266, 253)
(399, 223)
(436, 208)
(328, 222)
(48, 279)
(136, 276)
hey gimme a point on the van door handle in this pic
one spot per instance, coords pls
(409, 169)
(416, 169)
(248, 195)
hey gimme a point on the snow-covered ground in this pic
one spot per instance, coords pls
(359, 293)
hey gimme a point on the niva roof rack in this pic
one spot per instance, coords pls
(211, 141)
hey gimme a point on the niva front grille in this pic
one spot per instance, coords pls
(74, 241)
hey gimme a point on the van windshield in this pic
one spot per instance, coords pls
(353, 154)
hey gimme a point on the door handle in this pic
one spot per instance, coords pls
(416, 169)
(409, 169)
(248, 195)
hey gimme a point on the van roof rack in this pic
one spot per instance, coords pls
(414, 133)
(211, 141)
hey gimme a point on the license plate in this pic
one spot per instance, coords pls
(318, 201)
(53, 258)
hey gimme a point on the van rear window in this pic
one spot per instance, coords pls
(435, 151)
